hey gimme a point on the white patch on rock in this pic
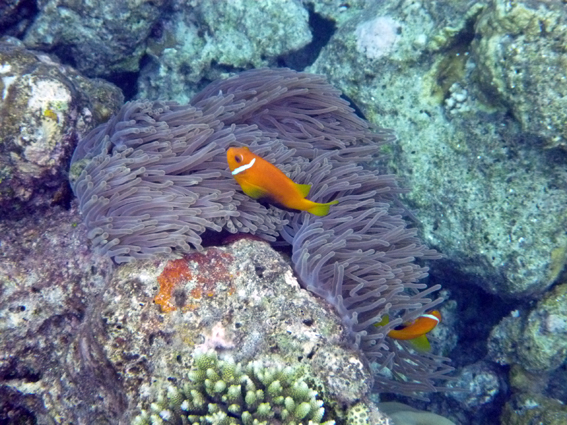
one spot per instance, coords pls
(7, 81)
(44, 93)
(377, 37)
(291, 280)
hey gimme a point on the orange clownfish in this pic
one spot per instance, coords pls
(260, 179)
(416, 331)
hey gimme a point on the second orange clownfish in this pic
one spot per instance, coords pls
(260, 179)
(416, 331)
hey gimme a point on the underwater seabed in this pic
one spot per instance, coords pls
(140, 284)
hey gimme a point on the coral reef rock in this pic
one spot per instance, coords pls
(44, 108)
(534, 409)
(520, 53)
(99, 37)
(74, 320)
(475, 174)
(534, 339)
(216, 37)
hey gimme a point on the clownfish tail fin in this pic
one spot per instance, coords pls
(321, 209)
(303, 189)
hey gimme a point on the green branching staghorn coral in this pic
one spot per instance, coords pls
(222, 392)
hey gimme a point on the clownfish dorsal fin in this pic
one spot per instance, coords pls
(421, 343)
(303, 189)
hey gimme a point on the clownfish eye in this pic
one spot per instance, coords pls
(238, 158)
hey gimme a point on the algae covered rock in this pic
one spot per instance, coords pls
(224, 392)
(101, 37)
(474, 175)
(240, 299)
(526, 409)
(521, 55)
(535, 339)
(216, 37)
(44, 108)
(481, 383)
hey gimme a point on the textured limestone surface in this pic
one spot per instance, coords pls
(81, 338)
(534, 338)
(215, 38)
(526, 409)
(44, 108)
(481, 382)
(100, 37)
(522, 63)
(484, 191)
(48, 280)
(336, 11)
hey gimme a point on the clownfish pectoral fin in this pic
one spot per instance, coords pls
(421, 343)
(254, 192)
(303, 189)
(321, 209)
(385, 320)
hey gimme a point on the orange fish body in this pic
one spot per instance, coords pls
(260, 179)
(416, 331)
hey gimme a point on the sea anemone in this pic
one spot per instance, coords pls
(155, 178)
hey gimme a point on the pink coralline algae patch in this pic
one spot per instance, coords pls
(377, 37)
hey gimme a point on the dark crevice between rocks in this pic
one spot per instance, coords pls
(20, 18)
(322, 30)
(127, 82)
(18, 408)
(14, 370)
(471, 299)
(452, 67)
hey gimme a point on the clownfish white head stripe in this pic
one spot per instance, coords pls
(243, 167)
(430, 316)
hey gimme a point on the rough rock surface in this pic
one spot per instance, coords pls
(521, 52)
(534, 339)
(487, 195)
(99, 37)
(481, 383)
(82, 340)
(218, 37)
(527, 409)
(47, 276)
(44, 108)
